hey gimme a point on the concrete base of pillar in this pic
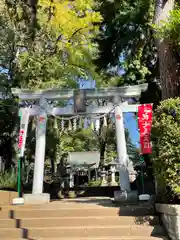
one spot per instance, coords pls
(36, 198)
(126, 197)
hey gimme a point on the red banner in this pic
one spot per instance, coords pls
(21, 136)
(145, 124)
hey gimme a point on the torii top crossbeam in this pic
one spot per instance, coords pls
(55, 94)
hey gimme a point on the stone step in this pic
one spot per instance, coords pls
(85, 231)
(80, 232)
(43, 213)
(100, 238)
(64, 211)
(78, 221)
(87, 219)
(56, 205)
(71, 204)
(7, 223)
(13, 233)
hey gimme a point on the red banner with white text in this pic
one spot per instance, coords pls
(145, 114)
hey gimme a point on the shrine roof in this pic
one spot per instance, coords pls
(86, 159)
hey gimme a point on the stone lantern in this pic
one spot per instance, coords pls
(103, 177)
(113, 165)
(69, 171)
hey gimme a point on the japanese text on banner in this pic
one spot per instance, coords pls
(145, 124)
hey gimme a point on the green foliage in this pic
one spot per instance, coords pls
(60, 143)
(8, 130)
(8, 180)
(96, 183)
(126, 31)
(166, 150)
(87, 140)
(169, 29)
(72, 194)
(53, 51)
(80, 140)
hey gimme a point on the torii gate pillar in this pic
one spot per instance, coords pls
(37, 195)
(40, 149)
(122, 150)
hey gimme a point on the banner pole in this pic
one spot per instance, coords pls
(19, 177)
(142, 179)
(24, 119)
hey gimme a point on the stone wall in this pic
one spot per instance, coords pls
(170, 215)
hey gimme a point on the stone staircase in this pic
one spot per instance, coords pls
(77, 220)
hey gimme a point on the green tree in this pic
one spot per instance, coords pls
(44, 44)
(66, 141)
(8, 131)
(127, 32)
(126, 42)
(55, 50)
(149, 51)
(166, 151)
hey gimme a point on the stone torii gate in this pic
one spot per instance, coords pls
(43, 110)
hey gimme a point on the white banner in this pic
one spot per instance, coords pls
(24, 119)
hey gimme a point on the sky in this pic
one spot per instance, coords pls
(129, 118)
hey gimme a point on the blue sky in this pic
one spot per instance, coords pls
(129, 118)
(131, 125)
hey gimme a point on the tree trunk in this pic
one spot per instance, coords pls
(169, 70)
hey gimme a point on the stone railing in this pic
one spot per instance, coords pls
(170, 215)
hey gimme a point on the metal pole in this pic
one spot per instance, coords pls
(122, 150)
(40, 149)
(24, 119)
(19, 178)
(142, 179)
